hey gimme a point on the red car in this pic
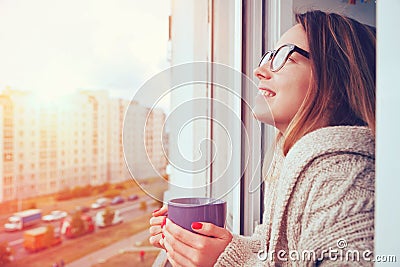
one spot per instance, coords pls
(70, 232)
(133, 197)
(117, 200)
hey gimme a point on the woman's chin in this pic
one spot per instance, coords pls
(264, 118)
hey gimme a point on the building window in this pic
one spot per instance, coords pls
(8, 181)
(8, 157)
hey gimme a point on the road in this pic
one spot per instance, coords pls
(129, 211)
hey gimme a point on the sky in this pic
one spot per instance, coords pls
(56, 47)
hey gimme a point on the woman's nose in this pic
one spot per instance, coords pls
(262, 72)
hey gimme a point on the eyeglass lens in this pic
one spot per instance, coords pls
(280, 57)
(265, 59)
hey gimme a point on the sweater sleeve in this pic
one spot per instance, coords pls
(243, 250)
(337, 222)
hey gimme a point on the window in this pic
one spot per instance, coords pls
(8, 181)
(8, 157)
(8, 145)
(218, 37)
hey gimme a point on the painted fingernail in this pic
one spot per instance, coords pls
(197, 225)
(163, 222)
(156, 210)
(162, 234)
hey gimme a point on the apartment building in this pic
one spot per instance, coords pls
(116, 164)
(74, 141)
(155, 143)
(143, 141)
(6, 147)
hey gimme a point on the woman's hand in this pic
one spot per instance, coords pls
(156, 224)
(185, 248)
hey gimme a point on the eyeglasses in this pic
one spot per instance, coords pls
(280, 56)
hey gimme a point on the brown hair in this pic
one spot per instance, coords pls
(342, 54)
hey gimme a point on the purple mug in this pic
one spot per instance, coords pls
(185, 211)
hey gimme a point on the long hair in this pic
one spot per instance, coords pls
(342, 54)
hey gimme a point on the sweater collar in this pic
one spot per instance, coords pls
(354, 139)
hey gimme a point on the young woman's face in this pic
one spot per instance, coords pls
(281, 93)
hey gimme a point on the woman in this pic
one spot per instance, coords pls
(318, 89)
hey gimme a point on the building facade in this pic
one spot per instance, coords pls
(75, 141)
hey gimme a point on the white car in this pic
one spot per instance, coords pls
(100, 219)
(96, 206)
(100, 203)
(55, 215)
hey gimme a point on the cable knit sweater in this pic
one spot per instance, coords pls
(321, 201)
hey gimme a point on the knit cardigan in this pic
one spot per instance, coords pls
(321, 205)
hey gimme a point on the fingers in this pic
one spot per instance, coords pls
(178, 260)
(212, 230)
(156, 225)
(157, 220)
(181, 234)
(174, 251)
(185, 247)
(161, 211)
(155, 241)
(155, 230)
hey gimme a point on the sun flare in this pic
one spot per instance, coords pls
(50, 98)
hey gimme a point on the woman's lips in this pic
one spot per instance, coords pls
(266, 92)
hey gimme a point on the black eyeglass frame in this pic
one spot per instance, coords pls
(292, 48)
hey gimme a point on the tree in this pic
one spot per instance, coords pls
(5, 253)
(77, 224)
(108, 216)
(143, 205)
(32, 205)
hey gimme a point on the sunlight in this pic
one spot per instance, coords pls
(50, 98)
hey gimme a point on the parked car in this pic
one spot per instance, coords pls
(54, 215)
(100, 203)
(133, 197)
(71, 231)
(117, 200)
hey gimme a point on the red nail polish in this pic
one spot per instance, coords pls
(162, 235)
(197, 225)
(163, 222)
(156, 210)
